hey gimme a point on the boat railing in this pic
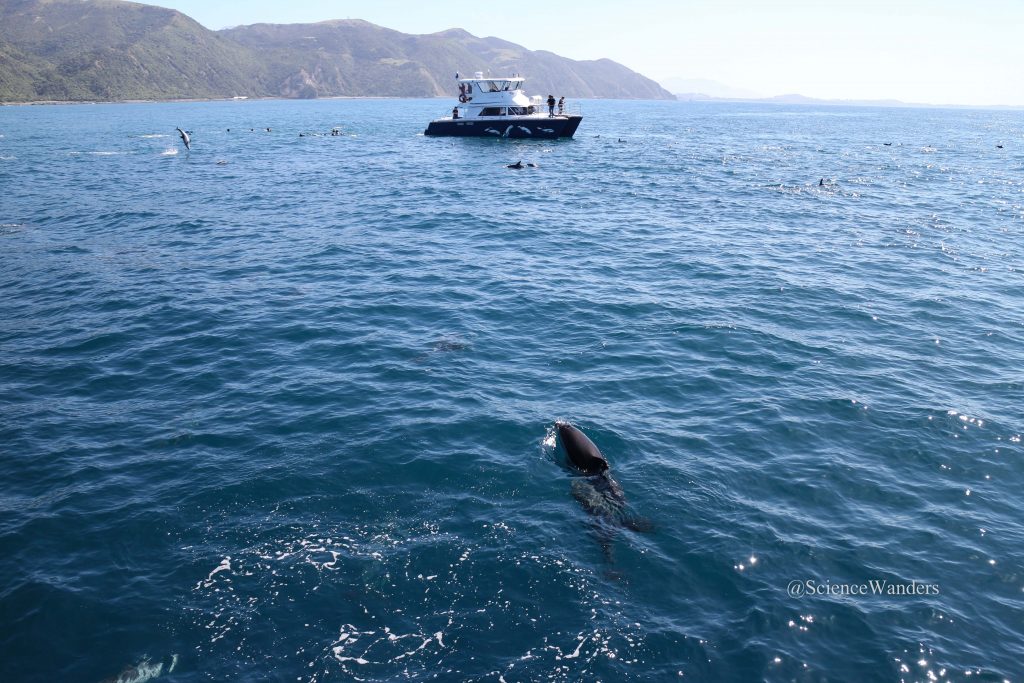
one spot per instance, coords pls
(571, 109)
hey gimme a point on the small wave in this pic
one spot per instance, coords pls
(169, 152)
(104, 154)
(550, 440)
(8, 158)
(153, 135)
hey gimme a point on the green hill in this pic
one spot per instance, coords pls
(69, 50)
(111, 50)
(353, 57)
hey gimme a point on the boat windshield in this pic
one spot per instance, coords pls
(496, 86)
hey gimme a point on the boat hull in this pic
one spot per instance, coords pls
(571, 126)
(539, 128)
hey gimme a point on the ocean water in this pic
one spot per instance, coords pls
(282, 408)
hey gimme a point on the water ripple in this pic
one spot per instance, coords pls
(290, 416)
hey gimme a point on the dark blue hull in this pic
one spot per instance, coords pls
(571, 126)
(542, 129)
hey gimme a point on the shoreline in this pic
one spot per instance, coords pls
(41, 103)
(57, 102)
(679, 99)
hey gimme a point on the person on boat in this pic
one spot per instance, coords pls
(551, 105)
(561, 106)
(455, 112)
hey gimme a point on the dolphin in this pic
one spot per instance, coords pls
(185, 138)
(583, 453)
(143, 671)
(518, 164)
(597, 492)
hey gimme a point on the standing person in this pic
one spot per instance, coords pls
(551, 105)
(455, 112)
(561, 106)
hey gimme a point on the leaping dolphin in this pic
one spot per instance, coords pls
(185, 138)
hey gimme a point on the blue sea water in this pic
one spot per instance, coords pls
(290, 417)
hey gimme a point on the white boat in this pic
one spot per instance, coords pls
(498, 107)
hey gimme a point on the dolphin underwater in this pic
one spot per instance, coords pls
(597, 492)
(185, 138)
(143, 671)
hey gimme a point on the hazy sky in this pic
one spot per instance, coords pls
(935, 51)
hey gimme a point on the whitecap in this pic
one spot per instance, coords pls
(225, 565)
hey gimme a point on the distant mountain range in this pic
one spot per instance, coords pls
(81, 50)
(705, 90)
(793, 99)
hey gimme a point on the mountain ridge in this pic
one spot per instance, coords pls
(88, 50)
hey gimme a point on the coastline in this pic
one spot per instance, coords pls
(38, 103)
(682, 99)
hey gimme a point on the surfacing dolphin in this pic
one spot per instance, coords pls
(596, 491)
(144, 671)
(185, 138)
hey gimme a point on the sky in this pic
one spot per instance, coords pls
(922, 51)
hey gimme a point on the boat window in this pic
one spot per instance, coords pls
(492, 111)
(518, 111)
(493, 86)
